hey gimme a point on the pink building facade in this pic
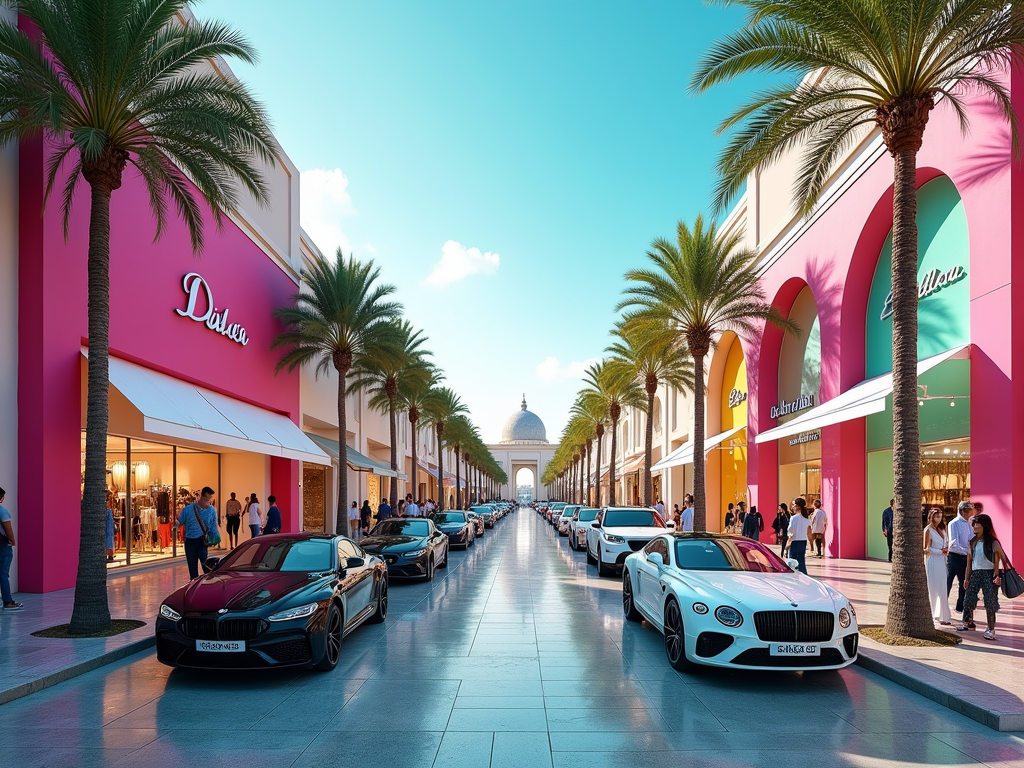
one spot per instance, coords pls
(830, 274)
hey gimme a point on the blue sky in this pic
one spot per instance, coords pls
(536, 147)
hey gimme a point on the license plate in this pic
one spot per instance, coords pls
(220, 646)
(794, 649)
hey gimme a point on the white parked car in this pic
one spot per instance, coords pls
(728, 601)
(581, 520)
(618, 532)
(563, 520)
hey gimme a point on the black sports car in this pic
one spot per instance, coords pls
(411, 546)
(279, 600)
(457, 526)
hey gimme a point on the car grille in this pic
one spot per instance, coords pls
(794, 626)
(290, 651)
(712, 643)
(228, 629)
(167, 649)
(637, 544)
(761, 657)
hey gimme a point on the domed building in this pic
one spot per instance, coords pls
(523, 445)
(523, 428)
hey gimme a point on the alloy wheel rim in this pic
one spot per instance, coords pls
(384, 599)
(334, 637)
(673, 632)
(627, 595)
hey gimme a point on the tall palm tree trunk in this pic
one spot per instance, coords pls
(700, 502)
(600, 435)
(393, 493)
(91, 612)
(910, 615)
(611, 464)
(341, 521)
(649, 441)
(458, 484)
(415, 457)
(440, 469)
(586, 495)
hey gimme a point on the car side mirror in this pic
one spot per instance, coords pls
(792, 563)
(354, 562)
(212, 563)
(655, 558)
(596, 524)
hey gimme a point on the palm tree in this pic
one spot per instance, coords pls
(108, 95)
(383, 371)
(593, 411)
(340, 317)
(702, 285)
(610, 385)
(441, 406)
(413, 395)
(653, 350)
(885, 64)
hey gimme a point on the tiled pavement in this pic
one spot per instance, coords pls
(517, 656)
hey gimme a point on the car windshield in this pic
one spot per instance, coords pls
(296, 556)
(482, 510)
(567, 512)
(588, 514)
(401, 528)
(727, 555)
(449, 517)
(621, 518)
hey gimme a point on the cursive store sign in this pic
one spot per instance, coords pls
(736, 397)
(215, 319)
(787, 407)
(806, 437)
(932, 282)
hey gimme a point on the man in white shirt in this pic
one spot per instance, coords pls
(686, 517)
(959, 535)
(411, 510)
(819, 522)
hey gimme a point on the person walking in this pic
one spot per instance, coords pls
(730, 519)
(686, 518)
(254, 516)
(354, 515)
(958, 542)
(199, 519)
(819, 522)
(383, 511)
(401, 508)
(741, 514)
(411, 508)
(233, 513)
(934, 545)
(365, 513)
(799, 526)
(887, 525)
(985, 561)
(7, 544)
(660, 508)
(753, 524)
(781, 527)
(273, 522)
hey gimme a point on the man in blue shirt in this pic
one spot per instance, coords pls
(887, 525)
(958, 542)
(6, 556)
(273, 517)
(200, 520)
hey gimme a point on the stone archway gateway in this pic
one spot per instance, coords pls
(525, 483)
(523, 445)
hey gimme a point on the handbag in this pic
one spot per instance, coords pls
(1011, 584)
(212, 539)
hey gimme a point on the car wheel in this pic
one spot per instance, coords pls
(602, 569)
(382, 602)
(430, 570)
(628, 606)
(590, 557)
(332, 639)
(571, 545)
(444, 563)
(675, 638)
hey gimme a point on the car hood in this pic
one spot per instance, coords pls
(239, 590)
(636, 532)
(375, 544)
(452, 527)
(762, 591)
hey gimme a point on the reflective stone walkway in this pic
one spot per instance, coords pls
(517, 656)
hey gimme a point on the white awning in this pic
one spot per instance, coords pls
(176, 409)
(684, 453)
(862, 400)
(355, 460)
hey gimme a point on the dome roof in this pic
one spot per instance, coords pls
(524, 427)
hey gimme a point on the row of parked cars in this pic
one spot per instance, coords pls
(290, 599)
(718, 599)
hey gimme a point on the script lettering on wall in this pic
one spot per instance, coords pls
(214, 319)
(932, 282)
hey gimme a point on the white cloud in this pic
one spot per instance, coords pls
(325, 202)
(551, 369)
(458, 262)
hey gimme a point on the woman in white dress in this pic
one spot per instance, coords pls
(935, 565)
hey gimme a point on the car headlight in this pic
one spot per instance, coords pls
(415, 553)
(844, 618)
(614, 539)
(700, 608)
(729, 616)
(169, 613)
(295, 613)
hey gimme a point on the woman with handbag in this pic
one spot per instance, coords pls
(781, 527)
(984, 568)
